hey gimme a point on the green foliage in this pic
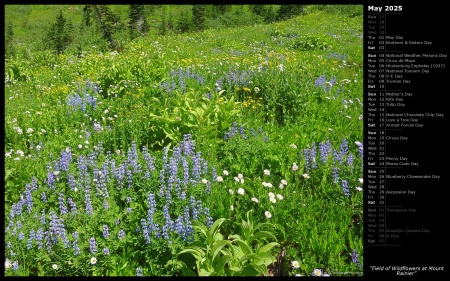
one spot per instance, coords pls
(10, 50)
(249, 98)
(60, 34)
(287, 11)
(199, 17)
(251, 250)
(247, 254)
(207, 251)
(310, 42)
(138, 21)
(184, 22)
(220, 9)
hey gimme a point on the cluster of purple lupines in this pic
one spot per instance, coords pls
(338, 157)
(355, 258)
(178, 80)
(241, 130)
(344, 185)
(77, 102)
(235, 78)
(335, 55)
(176, 181)
(323, 83)
(88, 175)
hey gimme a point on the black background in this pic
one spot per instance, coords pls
(421, 21)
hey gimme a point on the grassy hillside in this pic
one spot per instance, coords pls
(245, 140)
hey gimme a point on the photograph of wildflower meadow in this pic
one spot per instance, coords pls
(183, 140)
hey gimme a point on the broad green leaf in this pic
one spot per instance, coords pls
(249, 270)
(249, 256)
(263, 234)
(220, 265)
(217, 247)
(246, 249)
(124, 265)
(267, 247)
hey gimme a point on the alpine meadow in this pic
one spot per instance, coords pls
(183, 140)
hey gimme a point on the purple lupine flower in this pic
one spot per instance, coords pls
(15, 265)
(337, 157)
(345, 189)
(188, 230)
(199, 206)
(242, 132)
(121, 234)
(196, 166)
(34, 183)
(179, 226)
(71, 181)
(42, 219)
(82, 167)
(92, 245)
(57, 230)
(165, 233)
(89, 210)
(105, 231)
(44, 197)
(73, 207)
(65, 159)
(50, 177)
(185, 170)
(30, 239)
(360, 149)
(18, 207)
(355, 258)
(21, 236)
(209, 220)
(214, 173)
(208, 187)
(344, 147)
(97, 126)
(76, 248)
(38, 237)
(320, 81)
(332, 81)
(28, 199)
(105, 171)
(195, 212)
(105, 204)
(120, 173)
(62, 205)
(139, 272)
(106, 251)
(334, 174)
(177, 150)
(145, 231)
(350, 160)
(129, 175)
(156, 230)
(325, 150)
(166, 214)
(151, 205)
(204, 166)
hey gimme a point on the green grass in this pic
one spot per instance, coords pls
(251, 98)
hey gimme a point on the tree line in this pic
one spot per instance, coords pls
(110, 30)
